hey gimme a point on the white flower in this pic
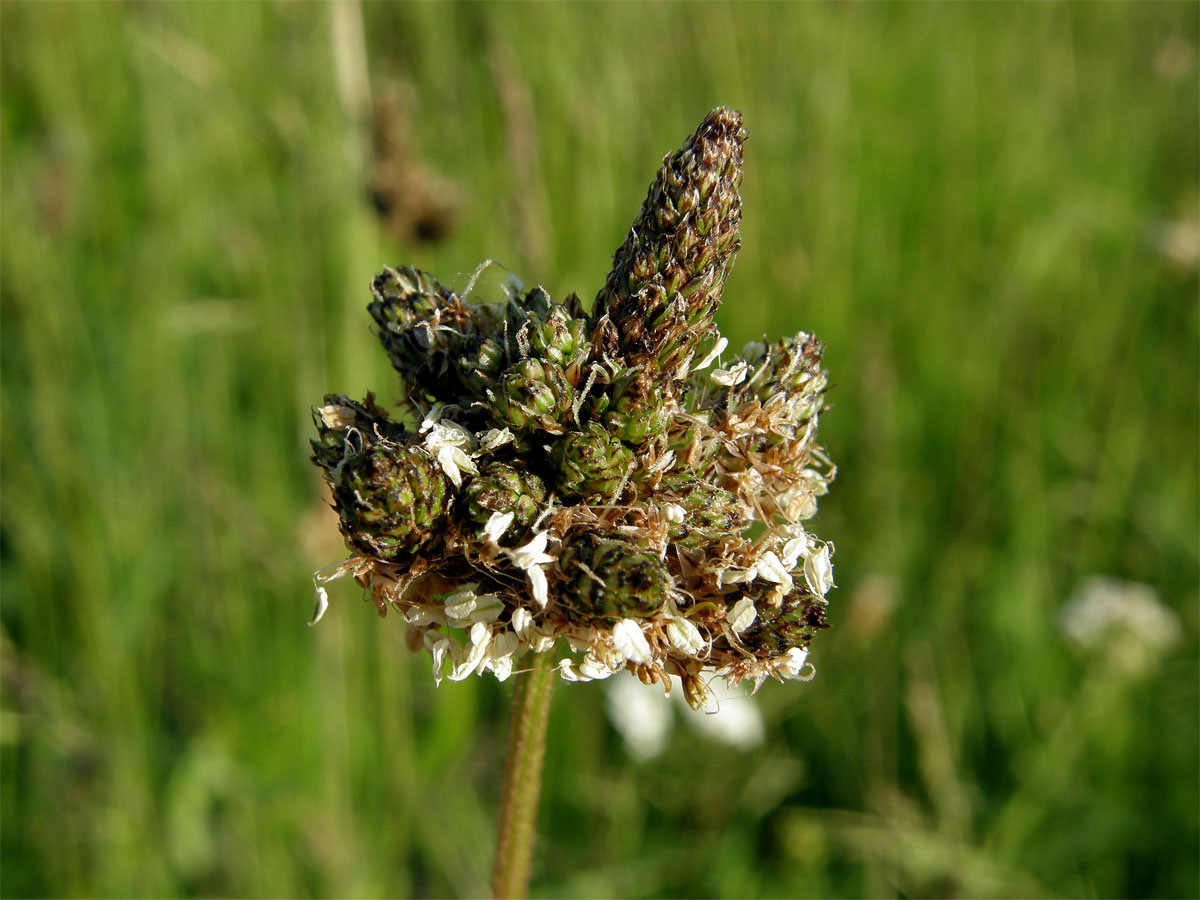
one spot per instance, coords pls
(630, 641)
(522, 623)
(1105, 608)
(449, 442)
(532, 557)
(716, 350)
(641, 715)
(674, 512)
(742, 615)
(685, 637)
(497, 524)
(818, 571)
(733, 718)
(731, 376)
(594, 668)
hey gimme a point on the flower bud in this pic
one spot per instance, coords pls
(534, 394)
(611, 578)
(591, 463)
(503, 488)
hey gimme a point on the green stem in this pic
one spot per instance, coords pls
(522, 780)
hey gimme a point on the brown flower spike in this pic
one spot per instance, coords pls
(580, 484)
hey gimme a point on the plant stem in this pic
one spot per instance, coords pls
(522, 781)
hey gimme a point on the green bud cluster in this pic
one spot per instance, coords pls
(581, 474)
(390, 494)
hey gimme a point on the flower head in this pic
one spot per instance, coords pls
(590, 484)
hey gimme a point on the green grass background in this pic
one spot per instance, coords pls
(965, 202)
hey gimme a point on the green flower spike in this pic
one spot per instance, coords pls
(584, 485)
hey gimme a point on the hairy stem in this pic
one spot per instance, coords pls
(522, 781)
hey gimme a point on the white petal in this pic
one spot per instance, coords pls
(736, 576)
(338, 418)
(439, 652)
(467, 667)
(496, 525)
(730, 377)
(674, 512)
(461, 604)
(717, 349)
(522, 623)
(769, 568)
(792, 662)
(685, 637)
(567, 670)
(541, 589)
(793, 550)
(496, 437)
(480, 634)
(818, 571)
(533, 553)
(742, 615)
(431, 418)
(320, 604)
(593, 669)
(487, 608)
(630, 642)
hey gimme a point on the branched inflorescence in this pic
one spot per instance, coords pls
(586, 483)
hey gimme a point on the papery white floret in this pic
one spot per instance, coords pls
(630, 641)
(716, 350)
(734, 575)
(522, 623)
(742, 615)
(595, 669)
(497, 524)
(320, 604)
(791, 663)
(685, 637)
(439, 651)
(500, 654)
(664, 462)
(532, 557)
(770, 568)
(818, 571)
(337, 417)
(495, 437)
(566, 668)
(734, 375)
(674, 513)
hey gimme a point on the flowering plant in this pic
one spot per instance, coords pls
(583, 477)
(585, 483)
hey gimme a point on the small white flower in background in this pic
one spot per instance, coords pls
(642, 715)
(1124, 620)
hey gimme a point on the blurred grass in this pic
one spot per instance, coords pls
(969, 204)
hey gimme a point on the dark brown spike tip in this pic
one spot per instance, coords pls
(668, 275)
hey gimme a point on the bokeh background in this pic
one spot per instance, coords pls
(988, 212)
